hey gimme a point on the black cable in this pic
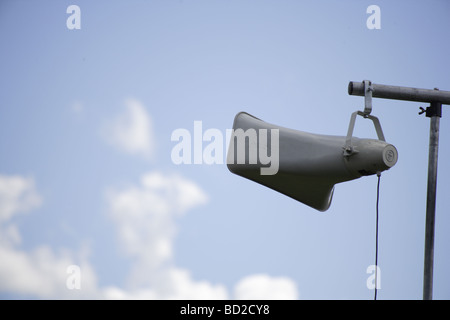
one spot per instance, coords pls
(376, 235)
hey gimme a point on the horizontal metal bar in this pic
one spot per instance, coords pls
(400, 93)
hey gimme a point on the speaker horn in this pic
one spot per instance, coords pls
(302, 165)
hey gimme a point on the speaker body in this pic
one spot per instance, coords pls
(309, 165)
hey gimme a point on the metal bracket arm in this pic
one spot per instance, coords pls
(349, 149)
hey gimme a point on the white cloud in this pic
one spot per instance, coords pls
(40, 272)
(145, 217)
(178, 284)
(264, 287)
(171, 284)
(131, 131)
(17, 194)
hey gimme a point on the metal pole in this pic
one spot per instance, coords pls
(400, 93)
(436, 98)
(434, 114)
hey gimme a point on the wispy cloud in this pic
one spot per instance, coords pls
(17, 194)
(144, 215)
(40, 272)
(265, 287)
(131, 131)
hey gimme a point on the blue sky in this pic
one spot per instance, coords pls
(87, 179)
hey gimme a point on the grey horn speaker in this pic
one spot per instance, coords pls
(302, 165)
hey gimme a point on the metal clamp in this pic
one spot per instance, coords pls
(349, 149)
(434, 110)
(367, 97)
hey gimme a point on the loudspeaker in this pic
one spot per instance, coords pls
(302, 165)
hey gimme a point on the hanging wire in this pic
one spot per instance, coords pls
(376, 236)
